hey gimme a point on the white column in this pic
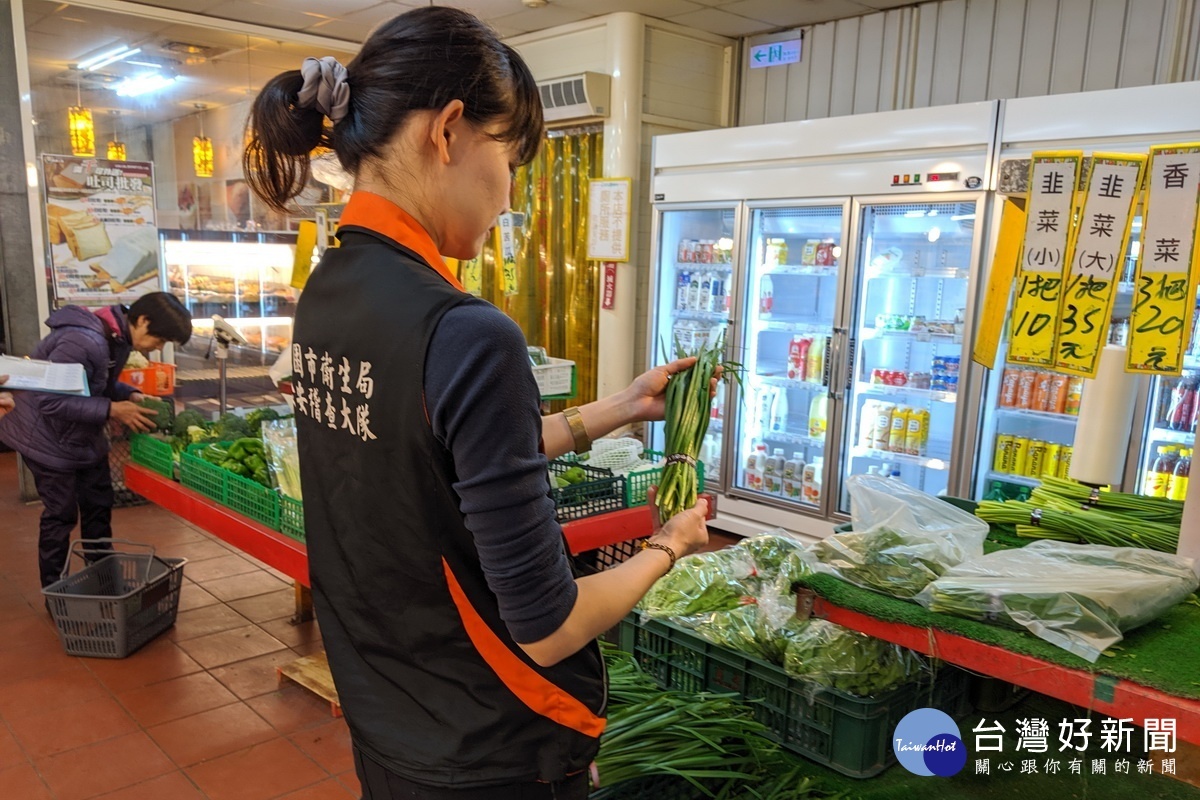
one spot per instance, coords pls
(622, 159)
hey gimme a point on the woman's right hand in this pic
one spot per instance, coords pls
(686, 532)
(133, 416)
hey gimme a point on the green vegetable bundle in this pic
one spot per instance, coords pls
(770, 550)
(839, 658)
(164, 412)
(245, 457)
(1150, 509)
(1068, 522)
(688, 410)
(703, 583)
(883, 560)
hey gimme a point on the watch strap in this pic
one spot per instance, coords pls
(583, 442)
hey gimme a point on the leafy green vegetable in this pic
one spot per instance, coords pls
(163, 412)
(770, 550)
(186, 420)
(256, 418)
(702, 583)
(230, 427)
(883, 560)
(839, 658)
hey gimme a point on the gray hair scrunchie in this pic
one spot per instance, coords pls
(325, 88)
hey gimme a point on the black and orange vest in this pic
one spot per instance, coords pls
(433, 686)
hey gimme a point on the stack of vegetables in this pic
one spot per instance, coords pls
(1071, 512)
(234, 442)
(742, 598)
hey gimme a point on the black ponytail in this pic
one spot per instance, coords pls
(420, 60)
(282, 135)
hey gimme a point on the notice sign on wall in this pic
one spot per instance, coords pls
(775, 53)
(1096, 258)
(1053, 177)
(1167, 270)
(608, 219)
(508, 253)
(608, 297)
(101, 230)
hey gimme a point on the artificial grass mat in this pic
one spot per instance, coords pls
(1161, 654)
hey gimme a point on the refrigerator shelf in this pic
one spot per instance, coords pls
(900, 458)
(920, 272)
(788, 383)
(781, 323)
(794, 438)
(920, 336)
(704, 316)
(1019, 480)
(795, 269)
(691, 266)
(905, 391)
(1047, 415)
(1174, 437)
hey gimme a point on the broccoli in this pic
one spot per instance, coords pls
(230, 427)
(187, 419)
(257, 417)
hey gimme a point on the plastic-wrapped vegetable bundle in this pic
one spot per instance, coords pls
(703, 583)
(902, 540)
(742, 629)
(279, 436)
(1079, 597)
(836, 657)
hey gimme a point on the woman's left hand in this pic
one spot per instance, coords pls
(646, 396)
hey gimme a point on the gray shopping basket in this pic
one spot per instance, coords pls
(117, 603)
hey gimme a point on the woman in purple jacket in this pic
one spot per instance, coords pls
(61, 437)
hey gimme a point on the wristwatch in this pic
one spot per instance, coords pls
(583, 442)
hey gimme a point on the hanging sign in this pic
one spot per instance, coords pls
(470, 275)
(1053, 177)
(1168, 266)
(1000, 282)
(508, 253)
(101, 229)
(608, 219)
(1096, 258)
(775, 54)
(608, 296)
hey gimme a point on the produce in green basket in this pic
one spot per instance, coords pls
(163, 412)
(881, 559)
(770, 550)
(702, 583)
(186, 420)
(838, 658)
(256, 418)
(570, 477)
(688, 410)
(230, 427)
(245, 457)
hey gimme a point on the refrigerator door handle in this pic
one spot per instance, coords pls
(837, 365)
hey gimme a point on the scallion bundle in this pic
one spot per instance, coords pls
(1051, 520)
(689, 408)
(1154, 509)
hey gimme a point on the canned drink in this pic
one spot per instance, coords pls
(1059, 387)
(1008, 387)
(1002, 461)
(899, 378)
(879, 377)
(952, 364)
(1020, 455)
(1051, 460)
(1041, 391)
(1036, 458)
(1027, 379)
(1074, 395)
(1064, 461)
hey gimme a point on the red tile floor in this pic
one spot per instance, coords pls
(195, 714)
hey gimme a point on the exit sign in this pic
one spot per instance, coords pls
(775, 53)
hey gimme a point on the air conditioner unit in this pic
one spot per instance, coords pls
(576, 97)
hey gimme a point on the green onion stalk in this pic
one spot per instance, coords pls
(688, 411)
(1067, 522)
(1153, 509)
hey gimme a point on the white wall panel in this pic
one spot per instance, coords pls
(1139, 52)
(948, 52)
(926, 36)
(845, 65)
(566, 53)
(894, 52)
(795, 104)
(1004, 72)
(868, 72)
(777, 83)
(1070, 45)
(1104, 45)
(1037, 47)
(820, 76)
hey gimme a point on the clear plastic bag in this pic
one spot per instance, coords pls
(1081, 598)
(703, 583)
(279, 436)
(770, 550)
(902, 539)
(829, 655)
(761, 626)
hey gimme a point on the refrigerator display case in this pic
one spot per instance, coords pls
(693, 295)
(909, 324)
(794, 276)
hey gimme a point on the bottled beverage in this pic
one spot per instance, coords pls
(895, 474)
(1183, 405)
(716, 298)
(793, 478)
(1023, 494)
(996, 492)
(766, 296)
(798, 357)
(704, 298)
(812, 481)
(695, 290)
(682, 286)
(916, 438)
(1177, 487)
(899, 430)
(1155, 484)
(866, 423)
(773, 472)
(814, 368)
(779, 412)
(766, 402)
(818, 421)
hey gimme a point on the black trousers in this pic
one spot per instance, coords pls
(84, 495)
(379, 783)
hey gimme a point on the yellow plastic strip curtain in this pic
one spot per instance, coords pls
(556, 300)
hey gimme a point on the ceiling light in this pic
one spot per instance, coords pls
(534, 3)
(144, 84)
(83, 132)
(119, 57)
(935, 233)
(914, 214)
(961, 217)
(150, 64)
(104, 58)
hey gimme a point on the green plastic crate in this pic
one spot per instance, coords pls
(152, 453)
(240, 494)
(637, 484)
(600, 493)
(850, 734)
(291, 517)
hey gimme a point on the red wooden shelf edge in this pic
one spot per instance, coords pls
(1129, 700)
(602, 530)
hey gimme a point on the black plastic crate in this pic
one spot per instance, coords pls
(600, 493)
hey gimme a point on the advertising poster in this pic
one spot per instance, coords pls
(100, 229)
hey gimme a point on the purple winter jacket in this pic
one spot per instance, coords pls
(66, 432)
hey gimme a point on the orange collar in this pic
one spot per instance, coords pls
(376, 213)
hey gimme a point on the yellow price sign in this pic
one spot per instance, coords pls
(508, 252)
(1097, 254)
(470, 275)
(1053, 178)
(999, 285)
(1168, 265)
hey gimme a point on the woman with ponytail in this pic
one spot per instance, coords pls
(461, 644)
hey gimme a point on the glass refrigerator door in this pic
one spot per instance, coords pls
(914, 276)
(793, 263)
(695, 286)
(1166, 461)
